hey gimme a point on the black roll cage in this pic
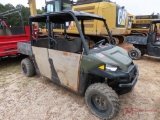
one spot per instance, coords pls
(75, 15)
(149, 38)
(153, 22)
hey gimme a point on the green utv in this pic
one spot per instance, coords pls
(149, 45)
(99, 70)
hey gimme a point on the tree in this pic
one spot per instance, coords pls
(14, 19)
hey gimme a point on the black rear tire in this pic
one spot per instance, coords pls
(102, 101)
(142, 51)
(134, 54)
(27, 67)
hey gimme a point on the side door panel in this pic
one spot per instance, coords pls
(67, 67)
(42, 60)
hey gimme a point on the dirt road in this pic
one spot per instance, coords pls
(35, 98)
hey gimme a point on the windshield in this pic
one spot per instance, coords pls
(50, 7)
(66, 5)
(53, 7)
(58, 5)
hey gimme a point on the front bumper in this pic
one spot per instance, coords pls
(122, 82)
(134, 72)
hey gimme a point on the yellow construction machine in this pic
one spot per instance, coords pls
(141, 24)
(117, 17)
(120, 22)
(32, 6)
(33, 12)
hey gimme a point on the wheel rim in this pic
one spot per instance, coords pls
(99, 102)
(134, 54)
(24, 69)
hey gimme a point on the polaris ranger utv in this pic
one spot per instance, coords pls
(149, 45)
(99, 70)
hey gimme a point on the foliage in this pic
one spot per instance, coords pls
(15, 19)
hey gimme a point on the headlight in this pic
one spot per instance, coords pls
(102, 67)
(111, 67)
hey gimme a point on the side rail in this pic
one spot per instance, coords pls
(24, 48)
(139, 40)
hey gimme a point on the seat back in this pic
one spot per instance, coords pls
(42, 42)
(153, 38)
(69, 45)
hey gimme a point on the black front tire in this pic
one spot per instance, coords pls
(134, 54)
(102, 101)
(27, 67)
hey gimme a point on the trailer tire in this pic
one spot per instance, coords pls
(102, 101)
(134, 54)
(27, 67)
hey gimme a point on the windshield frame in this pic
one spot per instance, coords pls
(99, 49)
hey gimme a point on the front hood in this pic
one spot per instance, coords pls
(115, 56)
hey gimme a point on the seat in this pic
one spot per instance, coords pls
(69, 45)
(42, 42)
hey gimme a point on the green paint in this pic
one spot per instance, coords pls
(115, 56)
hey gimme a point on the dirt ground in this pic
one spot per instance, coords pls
(35, 98)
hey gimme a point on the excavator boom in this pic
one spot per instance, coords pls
(32, 6)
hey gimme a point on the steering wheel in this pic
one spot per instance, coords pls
(99, 43)
(66, 36)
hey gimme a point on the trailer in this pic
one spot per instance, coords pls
(10, 36)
